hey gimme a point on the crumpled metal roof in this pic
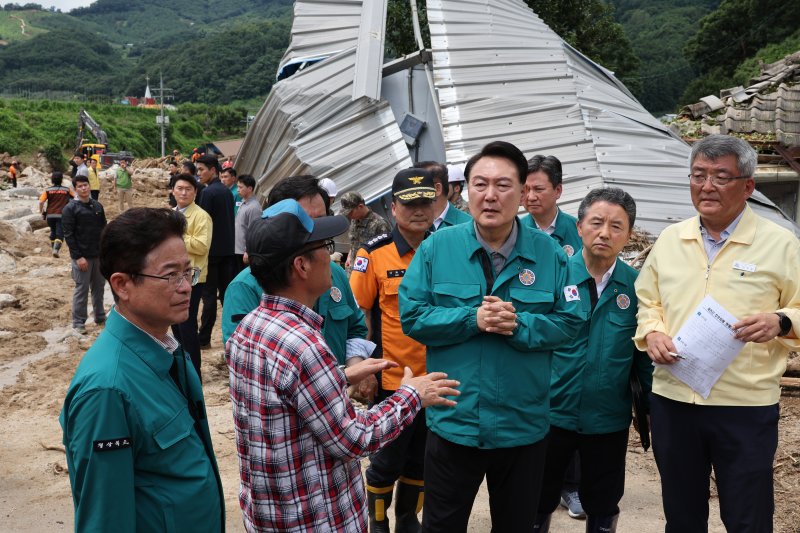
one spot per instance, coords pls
(311, 124)
(500, 73)
(322, 27)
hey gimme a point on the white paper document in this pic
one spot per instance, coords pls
(707, 345)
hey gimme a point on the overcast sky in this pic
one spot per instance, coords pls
(63, 5)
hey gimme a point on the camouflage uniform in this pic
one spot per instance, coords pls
(461, 204)
(364, 230)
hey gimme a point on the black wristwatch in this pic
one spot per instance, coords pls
(786, 324)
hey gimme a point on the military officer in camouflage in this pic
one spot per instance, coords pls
(365, 224)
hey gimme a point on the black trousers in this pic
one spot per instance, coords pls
(404, 456)
(454, 473)
(602, 474)
(95, 193)
(186, 332)
(740, 444)
(220, 274)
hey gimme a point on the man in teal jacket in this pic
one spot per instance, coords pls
(135, 428)
(445, 213)
(590, 394)
(543, 188)
(343, 318)
(344, 327)
(487, 299)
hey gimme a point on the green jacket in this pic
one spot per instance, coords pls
(505, 381)
(454, 216)
(237, 198)
(123, 179)
(589, 389)
(137, 459)
(343, 318)
(565, 234)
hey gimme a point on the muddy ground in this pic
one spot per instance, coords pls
(39, 353)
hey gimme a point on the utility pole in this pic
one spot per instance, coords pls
(161, 119)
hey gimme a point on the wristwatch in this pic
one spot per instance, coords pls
(786, 324)
(342, 368)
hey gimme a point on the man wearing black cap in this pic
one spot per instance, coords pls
(378, 269)
(298, 436)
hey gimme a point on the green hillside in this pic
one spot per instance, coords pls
(36, 23)
(658, 30)
(142, 22)
(30, 126)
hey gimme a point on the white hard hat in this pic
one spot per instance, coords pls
(455, 173)
(329, 186)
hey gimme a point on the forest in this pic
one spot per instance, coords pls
(668, 52)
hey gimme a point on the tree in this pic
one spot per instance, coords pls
(733, 33)
(400, 30)
(589, 26)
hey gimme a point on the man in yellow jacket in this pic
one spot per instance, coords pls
(750, 267)
(198, 242)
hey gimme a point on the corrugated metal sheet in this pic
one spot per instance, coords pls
(501, 73)
(323, 27)
(310, 123)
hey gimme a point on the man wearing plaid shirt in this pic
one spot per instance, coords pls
(299, 439)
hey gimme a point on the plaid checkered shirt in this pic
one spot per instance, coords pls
(298, 436)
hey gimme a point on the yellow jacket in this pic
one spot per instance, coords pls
(198, 238)
(677, 276)
(94, 180)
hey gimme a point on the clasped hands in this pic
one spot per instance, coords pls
(497, 316)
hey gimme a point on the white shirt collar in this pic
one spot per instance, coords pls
(438, 220)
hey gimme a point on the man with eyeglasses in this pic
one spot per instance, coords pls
(298, 436)
(750, 266)
(135, 428)
(378, 269)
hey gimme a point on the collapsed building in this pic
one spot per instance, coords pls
(494, 71)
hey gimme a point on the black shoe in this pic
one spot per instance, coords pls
(602, 524)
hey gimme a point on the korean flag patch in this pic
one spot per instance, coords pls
(361, 264)
(571, 293)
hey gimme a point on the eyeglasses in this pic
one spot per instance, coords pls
(717, 181)
(330, 244)
(174, 279)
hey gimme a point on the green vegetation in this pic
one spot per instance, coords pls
(658, 30)
(210, 52)
(733, 34)
(242, 65)
(30, 126)
(589, 26)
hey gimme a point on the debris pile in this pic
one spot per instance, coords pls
(766, 110)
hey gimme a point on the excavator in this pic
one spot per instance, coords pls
(99, 149)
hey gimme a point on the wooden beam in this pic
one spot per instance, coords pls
(790, 382)
(787, 156)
